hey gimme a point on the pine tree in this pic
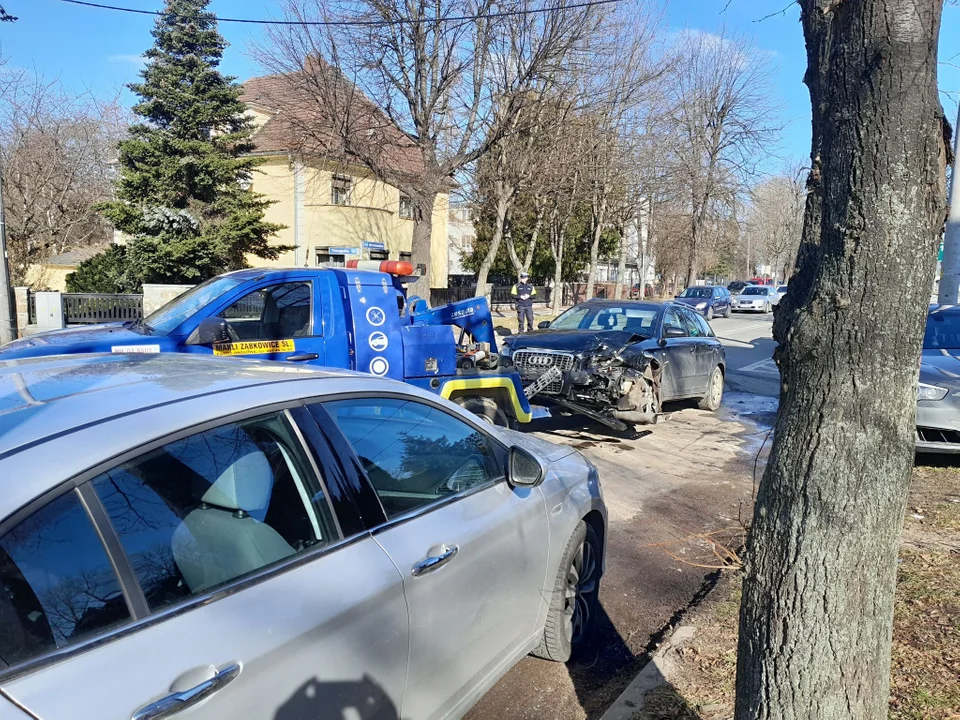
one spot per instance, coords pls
(182, 197)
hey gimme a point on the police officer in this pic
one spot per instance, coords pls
(524, 293)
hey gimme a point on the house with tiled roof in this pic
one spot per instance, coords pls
(333, 208)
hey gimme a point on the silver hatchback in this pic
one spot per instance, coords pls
(254, 540)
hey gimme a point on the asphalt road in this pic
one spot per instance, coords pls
(688, 476)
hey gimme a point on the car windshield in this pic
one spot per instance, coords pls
(697, 292)
(637, 318)
(943, 331)
(754, 290)
(185, 306)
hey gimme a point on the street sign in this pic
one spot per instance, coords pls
(343, 251)
(371, 245)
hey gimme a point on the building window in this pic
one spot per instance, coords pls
(379, 255)
(324, 258)
(340, 190)
(406, 257)
(406, 207)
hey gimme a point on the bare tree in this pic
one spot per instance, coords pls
(817, 610)
(775, 219)
(408, 91)
(725, 119)
(56, 151)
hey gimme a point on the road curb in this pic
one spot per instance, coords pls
(649, 678)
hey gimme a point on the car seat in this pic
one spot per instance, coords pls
(221, 540)
(607, 320)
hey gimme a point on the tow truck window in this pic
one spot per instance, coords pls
(181, 308)
(275, 312)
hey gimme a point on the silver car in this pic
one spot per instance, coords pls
(756, 298)
(254, 540)
(938, 394)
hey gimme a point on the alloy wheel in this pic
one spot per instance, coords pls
(581, 589)
(716, 388)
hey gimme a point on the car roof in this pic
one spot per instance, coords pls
(42, 397)
(603, 302)
(944, 309)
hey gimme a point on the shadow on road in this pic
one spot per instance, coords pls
(362, 699)
(745, 352)
(598, 662)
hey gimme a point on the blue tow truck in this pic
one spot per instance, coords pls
(344, 318)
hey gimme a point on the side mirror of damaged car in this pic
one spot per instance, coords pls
(525, 469)
(543, 324)
(672, 331)
(212, 330)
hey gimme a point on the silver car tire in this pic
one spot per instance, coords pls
(728, 311)
(711, 401)
(574, 601)
(766, 308)
(710, 313)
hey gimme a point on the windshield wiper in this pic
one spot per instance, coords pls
(139, 325)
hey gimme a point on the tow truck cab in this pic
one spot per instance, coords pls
(345, 318)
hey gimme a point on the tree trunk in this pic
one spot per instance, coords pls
(816, 615)
(692, 256)
(598, 220)
(422, 242)
(503, 199)
(621, 266)
(556, 247)
(534, 239)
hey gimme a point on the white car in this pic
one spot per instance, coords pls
(756, 298)
(242, 539)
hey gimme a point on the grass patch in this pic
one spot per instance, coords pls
(925, 671)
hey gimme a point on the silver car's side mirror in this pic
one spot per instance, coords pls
(525, 469)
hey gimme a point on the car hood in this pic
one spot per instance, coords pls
(940, 367)
(85, 339)
(573, 340)
(550, 452)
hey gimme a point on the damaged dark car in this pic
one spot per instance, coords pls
(619, 361)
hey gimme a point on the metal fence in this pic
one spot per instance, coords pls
(89, 308)
(499, 295)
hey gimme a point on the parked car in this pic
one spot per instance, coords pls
(736, 286)
(938, 394)
(756, 298)
(708, 300)
(250, 539)
(618, 361)
(781, 292)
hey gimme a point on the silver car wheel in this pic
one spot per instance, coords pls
(581, 586)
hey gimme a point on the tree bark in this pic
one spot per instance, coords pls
(599, 217)
(817, 608)
(556, 247)
(422, 241)
(621, 266)
(504, 197)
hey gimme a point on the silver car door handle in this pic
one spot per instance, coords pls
(435, 562)
(175, 702)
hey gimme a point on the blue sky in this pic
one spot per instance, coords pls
(98, 49)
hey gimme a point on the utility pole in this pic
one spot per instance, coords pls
(950, 267)
(8, 316)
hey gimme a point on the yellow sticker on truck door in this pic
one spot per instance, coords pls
(256, 347)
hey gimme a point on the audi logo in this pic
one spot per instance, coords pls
(540, 360)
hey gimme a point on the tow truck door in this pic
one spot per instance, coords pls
(273, 319)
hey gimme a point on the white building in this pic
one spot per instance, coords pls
(639, 268)
(460, 237)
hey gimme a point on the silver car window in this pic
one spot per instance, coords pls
(414, 453)
(58, 586)
(214, 507)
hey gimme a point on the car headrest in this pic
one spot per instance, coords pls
(245, 485)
